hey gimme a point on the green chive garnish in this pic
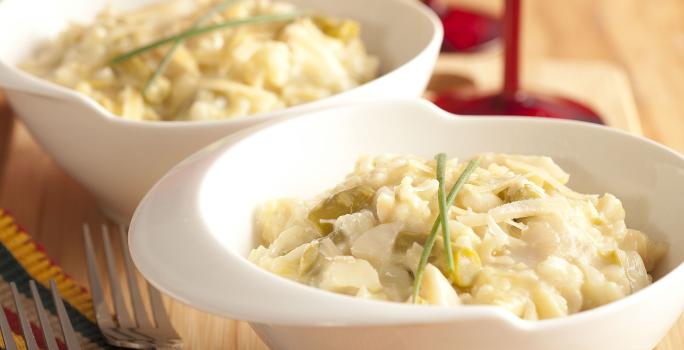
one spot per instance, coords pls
(192, 32)
(430, 242)
(441, 198)
(169, 54)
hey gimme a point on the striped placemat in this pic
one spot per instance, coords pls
(22, 259)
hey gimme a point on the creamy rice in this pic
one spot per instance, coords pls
(522, 239)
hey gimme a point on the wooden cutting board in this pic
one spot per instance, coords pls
(52, 206)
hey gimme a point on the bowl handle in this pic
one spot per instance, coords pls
(12, 79)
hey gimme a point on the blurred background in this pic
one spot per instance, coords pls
(643, 39)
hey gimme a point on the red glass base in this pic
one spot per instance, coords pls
(533, 106)
(465, 30)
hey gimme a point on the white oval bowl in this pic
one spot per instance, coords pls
(192, 232)
(119, 160)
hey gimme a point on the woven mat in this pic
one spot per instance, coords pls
(22, 259)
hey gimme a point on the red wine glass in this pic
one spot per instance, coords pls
(465, 30)
(511, 100)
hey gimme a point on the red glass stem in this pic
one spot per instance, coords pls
(511, 48)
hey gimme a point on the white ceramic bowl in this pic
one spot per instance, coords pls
(118, 160)
(192, 232)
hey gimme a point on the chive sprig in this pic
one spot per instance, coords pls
(441, 198)
(192, 32)
(442, 219)
(178, 42)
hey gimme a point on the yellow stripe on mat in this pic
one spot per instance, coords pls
(34, 260)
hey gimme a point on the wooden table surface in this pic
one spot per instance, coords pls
(645, 38)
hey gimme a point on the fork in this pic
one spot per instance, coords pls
(124, 331)
(29, 338)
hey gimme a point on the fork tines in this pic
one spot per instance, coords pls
(123, 330)
(29, 338)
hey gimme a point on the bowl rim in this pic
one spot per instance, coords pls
(394, 313)
(28, 83)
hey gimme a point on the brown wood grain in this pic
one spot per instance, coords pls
(643, 39)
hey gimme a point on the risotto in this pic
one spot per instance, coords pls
(224, 73)
(520, 238)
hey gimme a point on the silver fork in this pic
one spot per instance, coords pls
(29, 338)
(124, 331)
